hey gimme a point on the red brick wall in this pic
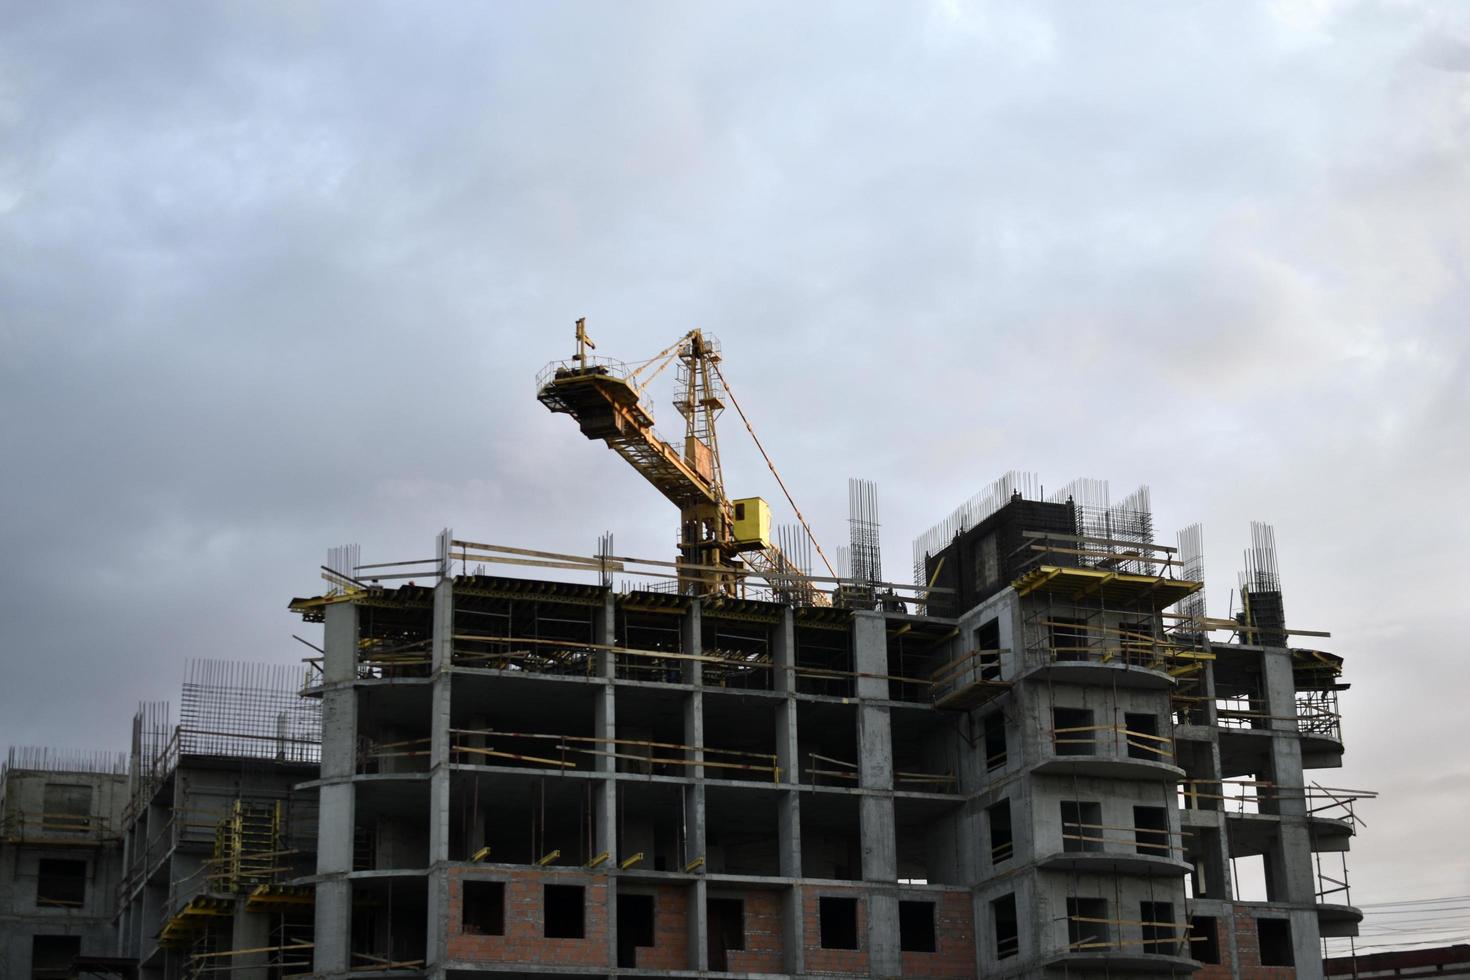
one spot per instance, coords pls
(954, 938)
(764, 950)
(1249, 949)
(819, 960)
(523, 941)
(670, 949)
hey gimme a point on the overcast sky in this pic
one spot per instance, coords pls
(277, 277)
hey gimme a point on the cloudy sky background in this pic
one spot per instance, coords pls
(279, 277)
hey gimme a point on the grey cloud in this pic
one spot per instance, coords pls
(276, 277)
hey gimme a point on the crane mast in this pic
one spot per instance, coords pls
(715, 532)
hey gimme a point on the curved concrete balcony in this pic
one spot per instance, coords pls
(1115, 862)
(1330, 833)
(1110, 767)
(1121, 963)
(1321, 750)
(1107, 673)
(1336, 921)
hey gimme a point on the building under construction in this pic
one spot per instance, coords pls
(1042, 757)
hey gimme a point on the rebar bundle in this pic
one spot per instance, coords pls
(971, 513)
(1128, 522)
(44, 759)
(1192, 569)
(248, 710)
(865, 555)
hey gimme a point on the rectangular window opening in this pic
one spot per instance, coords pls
(1159, 935)
(1069, 639)
(838, 922)
(916, 927)
(1002, 846)
(1073, 731)
(1143, 737)
(1204, 939)
(1087, 925)
(995, 741)
(61, 883)
(726, 930)
(987, 562)
(1007, 929)
(1275, 939)
(1151, 830)
(67, 808)
(1136, 641)
(563, 906)
(987, 645)
(483, 908)
(635, 926)
(1082, 828)
(52, 956)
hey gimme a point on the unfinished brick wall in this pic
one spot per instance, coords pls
(524, 940)
(764, 950)
(954, 939)
(1247, 947)
(819, 960)
(670, 949)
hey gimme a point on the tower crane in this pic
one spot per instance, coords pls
(715, 533)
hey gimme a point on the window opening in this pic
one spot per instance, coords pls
(1081, 826)
(995, 741)
(483, 911)
(1007, 929)
(1275, 939)
(635, 926)
(838, 922)
(1002, 846)
(1142, 736)
(916, 927)
(1087, 926)
(1151, 830)
(61, 883)
(1158, 926)
(563, 906)
(1204, 939)
(1073, 731)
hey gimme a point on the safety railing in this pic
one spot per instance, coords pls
(1085, 740)
(568, 752)
(26, 826)
(1100, 934)
(1079, 837)
(1317, 714)
(840, 772)
(973, 677)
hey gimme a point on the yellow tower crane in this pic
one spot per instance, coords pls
(715, 532)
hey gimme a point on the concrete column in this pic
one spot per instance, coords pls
(441, 658)
(1295, 878)
(1306, 942)
(336, 813)
(691, 631)
(788, 812)
(885, 957)
(604, 726)
(870, 653)
(875, 777)
(604, 631)
(1280, 689)
(249, 930)
(695, 844)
